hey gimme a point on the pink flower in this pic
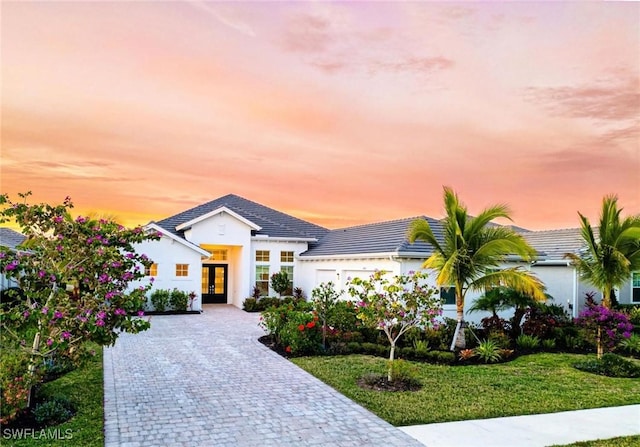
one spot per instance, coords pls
(45, 310)
(66, 335)
(42, 274)
(57, 314)
(99, 323)
(141, 313)
(57, 219)
(11, 266)
(49, 342)
(101, 315)
(119, 312)
(26, 314)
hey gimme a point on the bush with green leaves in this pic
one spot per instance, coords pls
(280, 282)
(630, 345)
(488, 351)
(178, 300)
(611, 365)
(325, 297)
(53, 412)
(160, 299)
(528, 342)
(294, 327)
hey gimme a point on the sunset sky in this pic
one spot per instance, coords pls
(337, 113)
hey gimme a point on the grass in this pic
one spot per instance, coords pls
(532, 384)
(84, 387)
(624, 441)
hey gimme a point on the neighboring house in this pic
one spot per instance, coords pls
(9, 238)
(224, 248)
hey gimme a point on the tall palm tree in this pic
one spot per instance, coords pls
(612, 256)
(470, 255)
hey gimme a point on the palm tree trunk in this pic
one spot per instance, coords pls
(600, 349)
(459, 341)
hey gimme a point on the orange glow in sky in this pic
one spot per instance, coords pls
(338, 113)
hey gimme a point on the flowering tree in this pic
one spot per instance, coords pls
(75, 276)
(395, 306)
(606, 326)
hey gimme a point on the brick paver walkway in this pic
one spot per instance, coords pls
(204, 380)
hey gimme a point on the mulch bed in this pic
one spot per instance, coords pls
(383, 384)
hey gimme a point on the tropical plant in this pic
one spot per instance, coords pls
(527, 342)
(395, 305)
(488, 351)
(469, 255)
(606, 326)
(612, 255)
(631, 344)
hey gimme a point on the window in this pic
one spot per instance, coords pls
(286, 256)
(448, 295)
(262, 255)
(182, 269)
(218, 255)
(152, 270)
(288, 269)
(635, 287)
(262, 279)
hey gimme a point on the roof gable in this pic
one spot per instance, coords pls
(271, 223)
(221, 210)
(178, 239)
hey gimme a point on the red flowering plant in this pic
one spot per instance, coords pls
(75, 279)
(395, 305)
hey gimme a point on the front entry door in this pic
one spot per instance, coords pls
(214, 283)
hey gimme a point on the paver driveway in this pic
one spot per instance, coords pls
(204, 380)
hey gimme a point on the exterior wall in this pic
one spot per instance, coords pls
(167, 253)
(274, 247)
(561, 283)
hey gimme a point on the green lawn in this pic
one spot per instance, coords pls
(84, 387)
(532, 384)
(624, 441)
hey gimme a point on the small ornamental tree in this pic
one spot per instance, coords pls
(280, 282)
(324, 297)
(75, 277)
(395, 306)
(607, 327)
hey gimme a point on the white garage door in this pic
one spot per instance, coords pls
(324, 276)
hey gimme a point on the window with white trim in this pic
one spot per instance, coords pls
(182, 270)
(262, 255)
(635, 287)
(262, 279)
(286, 256)
(288, 269)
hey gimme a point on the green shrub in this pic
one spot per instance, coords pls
(342, 316)
(440, 357)
(549, 344)
(179, 300)
(301, 334)
(405, 372)
(528, 342)
(488, 351)
(354, 347)
(250, 305)
(53, 412)
(160, 299)
(610, 365)
(500, 338)
(631, 345)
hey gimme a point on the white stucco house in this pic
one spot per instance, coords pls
(11, 239)
(224, 248)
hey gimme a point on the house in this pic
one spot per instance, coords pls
(224, 248)
(11, 239)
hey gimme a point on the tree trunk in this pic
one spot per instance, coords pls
(606, 297)
(391, 358)
(459, 341)
(35, 351)
(599, 347)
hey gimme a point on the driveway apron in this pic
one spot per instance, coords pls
(205, 380)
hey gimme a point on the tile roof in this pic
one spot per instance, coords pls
(554, 244)
(381, 237)
(10, 238)
(273, 223)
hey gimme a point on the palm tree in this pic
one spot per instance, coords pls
(609, 259)
(472, 249)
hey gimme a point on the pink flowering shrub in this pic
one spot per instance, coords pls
(75, 276)
(395, 305)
